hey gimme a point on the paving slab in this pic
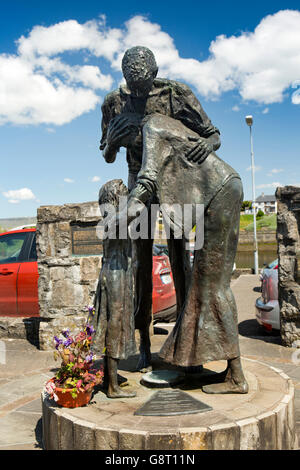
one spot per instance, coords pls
(20, 428)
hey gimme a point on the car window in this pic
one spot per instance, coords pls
(32, 254)
(273, 264)
(11, 246)
(160, 250)
(156, 251)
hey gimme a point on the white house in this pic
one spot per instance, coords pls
(265, 203)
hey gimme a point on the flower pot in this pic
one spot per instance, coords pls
(66, 400)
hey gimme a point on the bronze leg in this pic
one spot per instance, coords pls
(114, 391)
(143, 307)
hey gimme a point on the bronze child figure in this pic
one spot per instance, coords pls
(114, 309)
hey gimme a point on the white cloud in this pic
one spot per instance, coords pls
(265, 111)
(95, 179)
(261, 65)
(29, 97)
(274, 171)
(37, 85)
(296, 94)
(235, 108)
(68, 180)
(70, 35)
(268, 185)
(14, 196)
(256, 168)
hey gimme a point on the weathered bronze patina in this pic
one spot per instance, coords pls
(113, 319)
(170, 145)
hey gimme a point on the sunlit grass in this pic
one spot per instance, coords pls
(268, 222)
(245, 220)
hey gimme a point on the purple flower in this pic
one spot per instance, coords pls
(89, 330)
(68, 342)
(66, 332)
(89, 358)
(90, 309)
(58, 342)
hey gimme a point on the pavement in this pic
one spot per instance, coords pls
(24, 370)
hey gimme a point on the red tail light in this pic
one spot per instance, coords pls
(267, 326)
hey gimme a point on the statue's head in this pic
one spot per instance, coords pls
(110, 193)
(139, 69)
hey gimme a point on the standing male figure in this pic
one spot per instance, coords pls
(146, 95)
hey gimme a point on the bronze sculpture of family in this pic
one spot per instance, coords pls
(170, 144)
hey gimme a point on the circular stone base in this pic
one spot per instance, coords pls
(261, 419)
(162, 378)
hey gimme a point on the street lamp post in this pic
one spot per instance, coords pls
(249, 121)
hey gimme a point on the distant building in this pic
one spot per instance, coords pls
(266, 203)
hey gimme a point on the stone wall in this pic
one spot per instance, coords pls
(263, 236)
(288, 228)
(68, 276)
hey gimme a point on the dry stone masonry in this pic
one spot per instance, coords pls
(69, 258)
(288, 230)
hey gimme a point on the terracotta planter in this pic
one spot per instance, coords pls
(66, 400)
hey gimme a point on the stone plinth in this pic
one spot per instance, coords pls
(261, 419)
(288, 227)
(69, 257)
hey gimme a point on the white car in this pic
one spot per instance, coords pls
(273, 265)
(267, 306)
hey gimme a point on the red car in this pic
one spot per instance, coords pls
(19, 277)
(163, 296)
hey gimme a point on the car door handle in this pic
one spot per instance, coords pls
(5, 272)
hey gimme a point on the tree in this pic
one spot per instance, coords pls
(260, 214)
(246, 205)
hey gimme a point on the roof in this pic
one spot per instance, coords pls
(18, 230)
(266, 198)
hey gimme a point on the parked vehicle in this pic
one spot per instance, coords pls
(267, 306)
(18, 273)
(272, 265)
(164, 296)
(19, 277)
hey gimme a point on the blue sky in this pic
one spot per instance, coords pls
(58, 59)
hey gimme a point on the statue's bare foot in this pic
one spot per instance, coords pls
(231, 380)
(229, 386)
(118, 392)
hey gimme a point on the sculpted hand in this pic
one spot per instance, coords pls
(200, 151)
(118, 130)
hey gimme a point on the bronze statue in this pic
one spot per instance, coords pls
(144, 95)
(170, 152)
(113, 319)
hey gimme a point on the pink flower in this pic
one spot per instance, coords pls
(50, 389)
(79, 383)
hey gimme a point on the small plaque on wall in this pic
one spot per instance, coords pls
(85, 241)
